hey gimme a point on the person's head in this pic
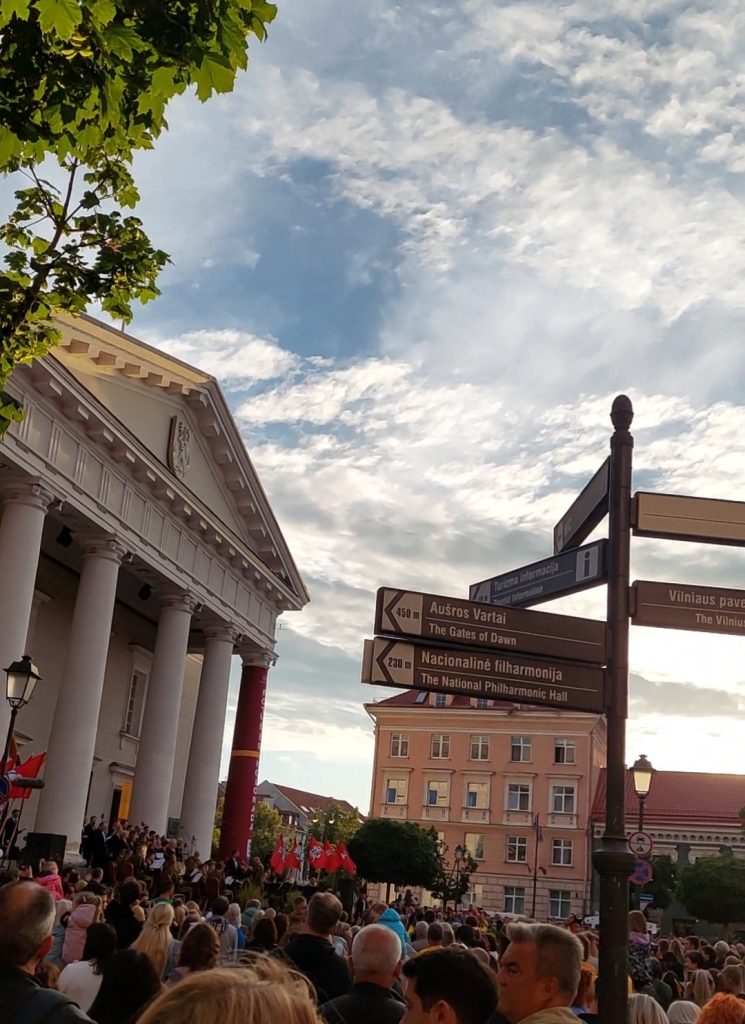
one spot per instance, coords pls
(644, 1009)
(637, 922)
(261, 992)
(701, 988)
(100, 945)
(220, 906)
(200, 948)
(128, 984)
(420, 930)
(96, 874)
(26, 923)
(672, 981)
(448, 935)
(376, 955)
(434, 934)
(693, 961)
(129, 892)
(233, 915)
(155, 938)
(682, 1011)
(676, 948)
(448, 986)
(47, 974)
(692, 942)
(265, 933)
(466, 934)
(165, 888)
(722, 1008)
(540, 969)
(732, 979)
(324, 913)
(376, 911)
(721, 950)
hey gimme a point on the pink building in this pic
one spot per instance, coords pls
(513, 784)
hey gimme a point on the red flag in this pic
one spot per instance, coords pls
(345, 861)
(316, 854)
(28, 770)
(333, 860)
(278, 857)
(294, 857)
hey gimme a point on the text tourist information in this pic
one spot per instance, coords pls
(677, 606)
(540, 681)
(709, 520)
(553, 577)
(471, 624)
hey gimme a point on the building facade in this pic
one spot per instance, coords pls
(138, 555)
(299, 809)
(510, 783)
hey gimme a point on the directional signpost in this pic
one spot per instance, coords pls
(499, 676)
(471, 624)
(709, 520)
(679, 606)
(567, 573)
(585, 513)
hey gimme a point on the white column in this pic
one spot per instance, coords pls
(72, 740)
(203, 770)
(25, 507)
(157, 747)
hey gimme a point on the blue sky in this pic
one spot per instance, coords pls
(422, 246)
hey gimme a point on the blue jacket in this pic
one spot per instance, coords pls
(393, 921)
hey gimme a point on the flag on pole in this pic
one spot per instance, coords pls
(278, 857)
(28, 770)
(316, 854)
(294, 857)
(345, 861)
(333, 860)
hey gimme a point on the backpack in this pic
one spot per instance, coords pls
(41, 1003)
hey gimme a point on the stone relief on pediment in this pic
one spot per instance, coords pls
(179, 448)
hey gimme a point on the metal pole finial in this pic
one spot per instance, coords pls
(622, 412)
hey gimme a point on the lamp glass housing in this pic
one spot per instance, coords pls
(642, 771)
(458, 852)
(21, 678)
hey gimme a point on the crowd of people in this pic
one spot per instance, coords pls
(144, 951)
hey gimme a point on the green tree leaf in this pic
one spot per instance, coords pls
(59, 17)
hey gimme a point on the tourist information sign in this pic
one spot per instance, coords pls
(709, 520)
(498, 676)
(678, 606)
(472, 624)
(574, 570)
(587, 510)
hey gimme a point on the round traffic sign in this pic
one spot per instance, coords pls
(641, 844)
(642, 872)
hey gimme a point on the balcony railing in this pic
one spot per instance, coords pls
(517, 817)
(559, 819)
(435, 812)
(394, 810)
(480, 815)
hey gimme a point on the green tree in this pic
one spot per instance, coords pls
(713, 889)
(267, 827)
(84, 84)
(664, 883)
(334, 823)
(395, 852)
(216, 828)
(453, 878)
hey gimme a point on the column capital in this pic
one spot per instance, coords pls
(255, 656)
(178, 600)
(102, 545)
(221, 632)
(29, 491)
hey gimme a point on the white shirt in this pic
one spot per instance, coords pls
(79, 982)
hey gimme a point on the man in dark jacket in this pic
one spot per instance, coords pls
(312, 953)
(26, 922)
(376, 963)
(120, 914)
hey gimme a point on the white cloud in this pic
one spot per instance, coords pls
(235, 357)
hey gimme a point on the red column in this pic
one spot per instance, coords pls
(240, 794)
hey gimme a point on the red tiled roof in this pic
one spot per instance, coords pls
(306, 801)
(678, 797)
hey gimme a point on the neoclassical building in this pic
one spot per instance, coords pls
(138, 555)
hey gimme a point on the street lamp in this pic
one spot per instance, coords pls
(643, 773)
(21, 678)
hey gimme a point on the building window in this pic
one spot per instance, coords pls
(521, 748)
(441, 700)
(564, 752)
(562, 799)
(561, 852)
(475, 895)
(395, 791)
(518, 797)
(438, 793)
(135, 703)
(440, 746)
(474, 844)
(514, 899)
(399, 745)
(559, 903)
(479, 748)
(477, 794)
(517, 849)
(441, 841)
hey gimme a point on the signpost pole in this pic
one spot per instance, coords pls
(613, 860)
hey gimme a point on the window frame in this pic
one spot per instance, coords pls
(523, 743)
(520, 786)
(445, 784)
(480, 843)
(483, 787)
(482, 742)
(401, 740)
(516, 895)
(388, 788)
(567, 788)
(563, 846)
(443, 739)
(560, 743)
(516, 845)
(556, 899)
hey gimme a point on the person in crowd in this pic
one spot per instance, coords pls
(87, 838)
(99, 851)
(420, 935)
(50, 879)
(156, 942)
(721, 952)
(264, 938)
(682, 1011)
(700, 988)
(539, 973)
(675, 985)
(282, 923)
(449, 985)
(81, 980)
(264, 992)
(388, 916)
(125, 914)
(312, 953)
(376, 964)
(448, 935)
(640, 950)
(644, 1009)
(693, 961)
(86, 910)
(128, 984)
(166, 889)
(233, 916)
(435, 934)
(95, 883)
(26, 922)
(227, 933)
(62, 910)
(189, 921)
(722, 1008)
(732, 980)
(247, 917)
(47, 974)
(200, 951)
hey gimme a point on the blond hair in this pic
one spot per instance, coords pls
(155, 938)
(264, 992)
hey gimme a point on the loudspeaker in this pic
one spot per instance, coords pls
(43, 846)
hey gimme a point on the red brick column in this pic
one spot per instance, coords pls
(243, 774)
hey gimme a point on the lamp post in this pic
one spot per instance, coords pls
(21, 678)
(538, 839)
(642, 773)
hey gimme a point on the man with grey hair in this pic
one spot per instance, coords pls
(376, 963)
(539, 974)
(313, 954)
(26, 922)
